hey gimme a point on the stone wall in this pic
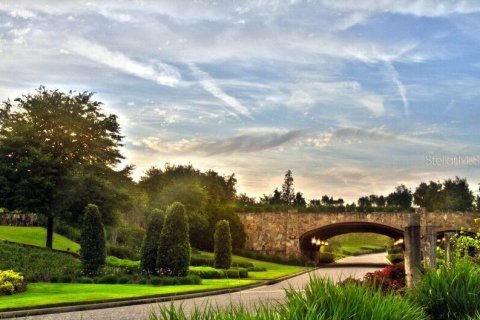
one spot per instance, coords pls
(279, 233)
(18, 219)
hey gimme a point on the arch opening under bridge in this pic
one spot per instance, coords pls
(308, 248)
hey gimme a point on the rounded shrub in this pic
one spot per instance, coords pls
(85, 280)
(222, 245)
(92, 251)
(151, 242)
(156, 281)
(108, 279)
(174, 248)
(123, 280)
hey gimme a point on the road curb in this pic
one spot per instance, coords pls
(131, 302)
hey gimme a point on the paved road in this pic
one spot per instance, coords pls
(271, 293)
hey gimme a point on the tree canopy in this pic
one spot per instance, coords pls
(49, 140)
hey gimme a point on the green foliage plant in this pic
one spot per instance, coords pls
(92, 251)
(223, 245)
(451, 292)
(174, 248)
(151, 243)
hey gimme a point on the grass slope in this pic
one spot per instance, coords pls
(36, 236)
(55, 294)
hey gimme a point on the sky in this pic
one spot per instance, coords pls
(354, 96)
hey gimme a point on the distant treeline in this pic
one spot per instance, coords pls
(449, 195)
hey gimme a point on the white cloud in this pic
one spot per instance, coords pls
(116, 16)
(19, 35)
(161, 73)
(427, 8)
(22, 13)
(308, 93)
(402, 91)
(209, 84)
(374, 104)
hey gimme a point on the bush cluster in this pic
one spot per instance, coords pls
(11, 282)
(38, 264)
(222, 245)
(389, 279)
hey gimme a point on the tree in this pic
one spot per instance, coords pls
(187, 191)
(288, 193)
(299, 200)
(428, 195)
(401, 198)
(174, 248)
(217, 213)
(244, 200)
(364, 202)
(276, 198)
(151, 242)
(223, 245)
(45, 139)
(92, 250)
(457, 195)
(452, 194)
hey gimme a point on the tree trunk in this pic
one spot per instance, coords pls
(49, 232)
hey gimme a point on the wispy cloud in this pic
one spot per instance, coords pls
(402, 91)
(352, 135)
(246, 143)
(159, 72)
(209, 84)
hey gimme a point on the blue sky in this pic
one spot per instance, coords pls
(354, 96)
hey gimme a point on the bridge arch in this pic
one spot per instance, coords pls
(331, 230)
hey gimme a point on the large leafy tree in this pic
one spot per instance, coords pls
(49, 139)
(400, 198)
(452, 194)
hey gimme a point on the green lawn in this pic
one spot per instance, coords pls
(36, 236)
(356, 243)
(53, 294)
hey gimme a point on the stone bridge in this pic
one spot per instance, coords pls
(289, 234)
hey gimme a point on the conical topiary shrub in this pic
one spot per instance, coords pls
(92, 242)
(223, 245)
(174, 248)
(151, 242)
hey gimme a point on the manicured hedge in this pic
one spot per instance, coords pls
(151, 242)
(326, 257)
(299, 261)
(223, 245)
(92, 251)
(174, 248)
(395, 258)
(212, 273)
